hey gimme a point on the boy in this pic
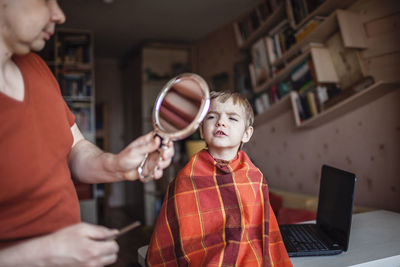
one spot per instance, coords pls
(217, 210)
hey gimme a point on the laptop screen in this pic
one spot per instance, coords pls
(335, 204)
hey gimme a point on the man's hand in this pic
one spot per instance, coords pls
(77, 245)
(130, 158)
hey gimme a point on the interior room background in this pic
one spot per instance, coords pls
(365, 141)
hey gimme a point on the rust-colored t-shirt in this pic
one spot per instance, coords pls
(37, 195)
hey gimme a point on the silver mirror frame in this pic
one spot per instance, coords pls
(180, 134)
(192, 127)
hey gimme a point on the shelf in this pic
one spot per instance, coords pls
(78, 98)
(282, 74)
(355, 101)
(325, 8)
(274, 110)
(274, 18)
(322, 62)
(351, 28)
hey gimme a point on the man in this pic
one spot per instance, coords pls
(41, 147)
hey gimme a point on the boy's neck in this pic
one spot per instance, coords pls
(223, 153)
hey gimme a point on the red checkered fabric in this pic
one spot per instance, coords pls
(217, 214)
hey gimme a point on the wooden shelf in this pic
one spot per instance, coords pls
(282, 74)
(78, 98)
(350, 25)
(355, 101)
(325, 8)
(322, 63)
(267, 25)
(274, 110)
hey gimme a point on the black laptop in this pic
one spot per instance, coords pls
(330, 234)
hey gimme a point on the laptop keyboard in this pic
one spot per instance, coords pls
(301, 237)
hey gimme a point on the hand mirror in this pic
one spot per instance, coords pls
(179, 109)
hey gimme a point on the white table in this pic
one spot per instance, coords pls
(374, 241)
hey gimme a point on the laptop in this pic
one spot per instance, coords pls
(331, 232)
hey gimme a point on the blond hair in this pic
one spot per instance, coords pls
(223, 96)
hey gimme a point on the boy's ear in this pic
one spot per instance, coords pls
(247, 134)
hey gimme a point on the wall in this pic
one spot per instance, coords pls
(216, 54)
(365, 141)
(109, 91)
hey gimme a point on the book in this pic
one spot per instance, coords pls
(260, 61)
(284, 88)
(259, 106)
(311, 103)
(277, 45)
(253, 77)
(322, 93)
(305, 106)
(265, 100)
(299, 10)
(269, 43)
(306, 87)
(287, 38)
(306, 29)
(301, 115)
(299, 71)
(278, 28)
(273, 94)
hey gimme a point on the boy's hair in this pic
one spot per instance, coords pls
(223, 96)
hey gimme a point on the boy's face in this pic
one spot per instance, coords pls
(224, 129)
(27, 24)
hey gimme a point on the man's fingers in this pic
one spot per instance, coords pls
(146, 140)
(108, 259)
(131, 175)
(98, 232)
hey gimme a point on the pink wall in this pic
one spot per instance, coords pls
(365, 141)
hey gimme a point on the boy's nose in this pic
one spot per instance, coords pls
(220, 123)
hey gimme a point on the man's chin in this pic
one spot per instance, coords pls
(37, 45)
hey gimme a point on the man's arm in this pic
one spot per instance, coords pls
(89, 164)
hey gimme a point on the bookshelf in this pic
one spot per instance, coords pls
(321, 59)
(70, 57)
(264, 27)
(69, 54)
(348, 23)
(357, 100)
(325, 8)
(277, 14)
(275, 110)
(319, 46)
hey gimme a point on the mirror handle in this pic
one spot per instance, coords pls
(150, 177)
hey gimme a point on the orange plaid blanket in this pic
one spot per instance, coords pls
(217, 214)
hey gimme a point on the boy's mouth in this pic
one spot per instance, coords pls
(220, 133)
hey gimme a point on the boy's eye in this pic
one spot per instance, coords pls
(233, 119)
(210, 117)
